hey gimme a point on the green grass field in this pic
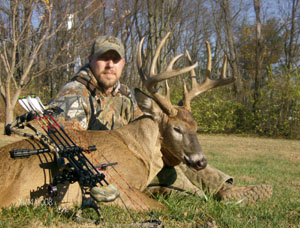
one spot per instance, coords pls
(249, 160)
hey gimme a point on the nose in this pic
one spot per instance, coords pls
(109, 63)
(202, 163)
(196, 163)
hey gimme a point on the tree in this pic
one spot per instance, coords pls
(233, 58)
(29, 29)
(259, 54)
(291, 46)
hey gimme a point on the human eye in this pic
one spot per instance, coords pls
(116, 59)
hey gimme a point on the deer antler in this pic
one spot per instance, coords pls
(208, 83)
(149, 81)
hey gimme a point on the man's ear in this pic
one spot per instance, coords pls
(147, 104)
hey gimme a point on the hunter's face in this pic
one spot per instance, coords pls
(107, 68)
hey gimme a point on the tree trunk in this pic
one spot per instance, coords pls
(233, 58)
(259, 56)
(290, 51)
(9, 113)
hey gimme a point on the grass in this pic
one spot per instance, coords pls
(249, 160)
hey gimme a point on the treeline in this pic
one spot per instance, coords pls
(44, 42)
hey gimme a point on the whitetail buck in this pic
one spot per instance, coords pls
(141, 148)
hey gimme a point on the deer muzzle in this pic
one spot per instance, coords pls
(196, 162)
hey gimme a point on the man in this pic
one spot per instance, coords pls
(95, 100)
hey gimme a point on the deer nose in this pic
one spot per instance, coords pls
(196, 163)
(202, 163)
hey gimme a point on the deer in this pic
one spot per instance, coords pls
(166, 135)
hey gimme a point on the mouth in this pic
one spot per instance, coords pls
(109, 72)
(196, 165)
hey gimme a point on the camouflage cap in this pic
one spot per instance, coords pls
(105, 43)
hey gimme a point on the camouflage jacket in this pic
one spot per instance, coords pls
(85, 105)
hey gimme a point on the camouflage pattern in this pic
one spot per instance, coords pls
(88, 108)
(209, 179)
(105, 43)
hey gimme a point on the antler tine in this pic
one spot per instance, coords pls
(171, 64)
(208, 82)
(167, 90)
(154, 61)
(208, 68)
(193, 73)
(185, 102)
(140, 61)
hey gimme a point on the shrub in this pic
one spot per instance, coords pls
(278, 109)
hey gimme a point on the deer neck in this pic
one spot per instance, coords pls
(168, 158)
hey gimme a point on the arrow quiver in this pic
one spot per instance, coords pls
(72, 163)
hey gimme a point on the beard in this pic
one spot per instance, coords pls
(107, 81)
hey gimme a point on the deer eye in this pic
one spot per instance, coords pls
(178, 130)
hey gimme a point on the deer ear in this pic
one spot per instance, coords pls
(147, 104)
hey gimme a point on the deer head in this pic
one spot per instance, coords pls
(177, 125)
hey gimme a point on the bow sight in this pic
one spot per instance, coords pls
(72, 163)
